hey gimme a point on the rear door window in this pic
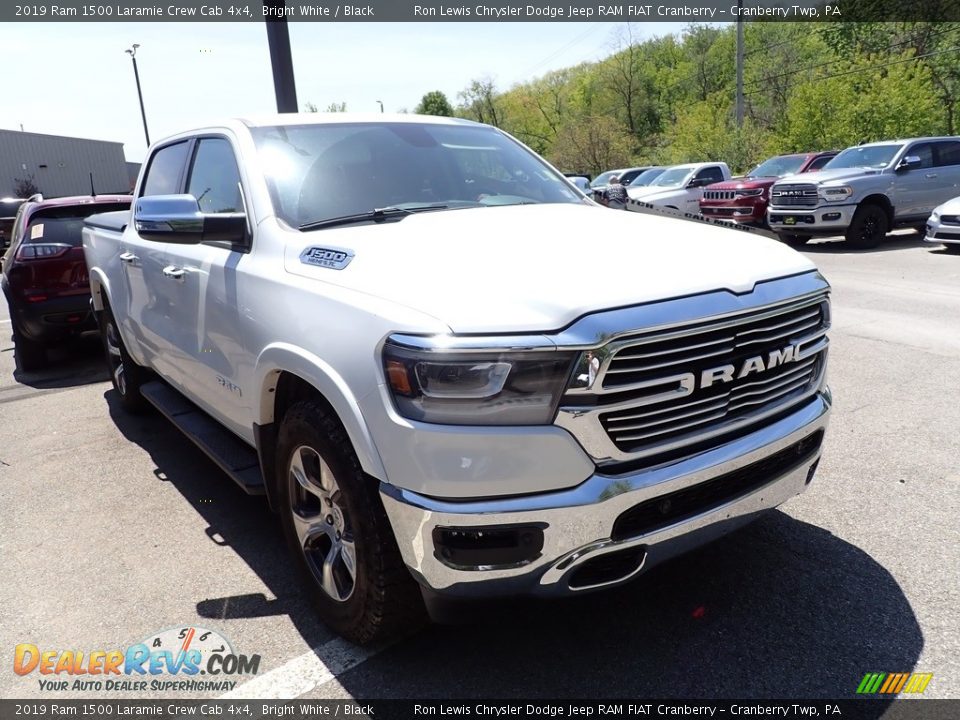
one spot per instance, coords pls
(948, 153)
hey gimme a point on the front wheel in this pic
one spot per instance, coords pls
(868, 227)
(338, 531)
(127, 377)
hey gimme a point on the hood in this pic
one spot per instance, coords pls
(819, 176)
(743, 183)
(537, 268)
(950, 207)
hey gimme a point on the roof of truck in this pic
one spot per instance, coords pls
(349, 117)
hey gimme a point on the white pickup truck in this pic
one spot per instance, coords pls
(392, 327)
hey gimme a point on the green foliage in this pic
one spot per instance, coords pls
(807, 86)
(434, 103)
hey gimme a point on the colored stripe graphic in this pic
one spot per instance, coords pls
(893, 683)
(918, 682)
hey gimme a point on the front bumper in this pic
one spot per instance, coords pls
(581, 549)
(827, 219)
(942, 233)
(755, 215)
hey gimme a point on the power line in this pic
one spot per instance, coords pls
(875, 67)
(562, 49)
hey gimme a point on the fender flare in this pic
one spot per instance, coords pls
(278, 358)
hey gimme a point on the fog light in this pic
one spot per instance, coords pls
(486, 548)
(831, 216)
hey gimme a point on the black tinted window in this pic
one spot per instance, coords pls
(63, 225)
(948, 153)
(214, 178)
(713, 174)
(924, 151)
(163, 176)
(819, 163)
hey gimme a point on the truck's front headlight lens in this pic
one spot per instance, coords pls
(457, 388)
(836, 193)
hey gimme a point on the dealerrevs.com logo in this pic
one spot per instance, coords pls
(169, 660)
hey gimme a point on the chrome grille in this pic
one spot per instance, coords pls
(719, 194)
(793, 196)
(654, 384)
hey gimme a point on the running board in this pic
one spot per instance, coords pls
(230, 453)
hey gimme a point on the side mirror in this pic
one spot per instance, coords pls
(177, 219)
(910, 161)
(699, 182)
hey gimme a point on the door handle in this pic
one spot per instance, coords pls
(128, 257)
(174, 273)
(931, 175)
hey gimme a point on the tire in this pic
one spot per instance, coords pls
(795, 240)
(338, 531)
(30, 354)
(868, 228)
(126, 376)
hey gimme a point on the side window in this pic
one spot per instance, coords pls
(163, 175)
(819, 163)
(710, 174)
(924, 151)
(948, 153)
(214, 177)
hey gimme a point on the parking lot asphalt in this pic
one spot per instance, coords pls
(114, 527)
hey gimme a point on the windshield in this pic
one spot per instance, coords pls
(778, 166)
(672, 177)
(333, 170)
(870, 156)
(647, 177)
(603, 178)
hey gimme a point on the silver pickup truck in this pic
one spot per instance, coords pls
(867, 190)
(393, 328)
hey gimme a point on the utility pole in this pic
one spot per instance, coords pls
(739, 66)
(132, 52)
(281, 59)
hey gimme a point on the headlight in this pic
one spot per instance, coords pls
(476, 388)
(753, 192)
(934, 217)
(833, 194)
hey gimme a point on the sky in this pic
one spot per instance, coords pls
(76, 79)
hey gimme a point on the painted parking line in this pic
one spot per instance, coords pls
(304, 673)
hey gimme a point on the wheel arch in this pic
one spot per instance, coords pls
(882, 201)
(99, 289)
(286, 374)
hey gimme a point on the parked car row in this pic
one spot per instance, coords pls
(43, 274)
(861, 193)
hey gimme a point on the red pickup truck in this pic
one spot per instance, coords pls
(744, 199)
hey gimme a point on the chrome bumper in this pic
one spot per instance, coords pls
(577, 523)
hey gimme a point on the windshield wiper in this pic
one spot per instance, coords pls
(375, 215)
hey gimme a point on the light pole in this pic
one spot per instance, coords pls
(132, 52)
(381, 104)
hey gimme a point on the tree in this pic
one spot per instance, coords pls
(593, 145)
(25, 187)
(479, 101)
(331, 108)
(434, 103)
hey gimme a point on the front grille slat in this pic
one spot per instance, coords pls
(729, 355)
(673, 418)
(793, 196)
(775, 394)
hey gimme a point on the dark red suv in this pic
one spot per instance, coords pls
(744, 199)
(44, 274)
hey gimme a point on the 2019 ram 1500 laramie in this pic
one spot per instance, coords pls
(867, 190)
(391, 326)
